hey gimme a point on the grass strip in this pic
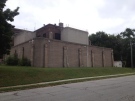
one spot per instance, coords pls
(17, 75)
(59, 82)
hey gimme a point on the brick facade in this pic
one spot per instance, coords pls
(45, 52)
(49, 31)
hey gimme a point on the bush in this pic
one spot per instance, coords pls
(24, 62)
(14, 61)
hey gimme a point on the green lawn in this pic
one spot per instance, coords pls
(16, 75)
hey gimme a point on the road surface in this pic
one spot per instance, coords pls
(114, 89)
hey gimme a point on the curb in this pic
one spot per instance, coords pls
(67, 80)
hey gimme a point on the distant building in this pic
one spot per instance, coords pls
(59, 46)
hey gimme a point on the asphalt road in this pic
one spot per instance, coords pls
(114, 89)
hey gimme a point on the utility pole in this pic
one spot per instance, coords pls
(131, 53)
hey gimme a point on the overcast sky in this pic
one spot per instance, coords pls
(111, 16)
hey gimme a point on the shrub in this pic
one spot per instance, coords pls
(24, 62)
(12, 60)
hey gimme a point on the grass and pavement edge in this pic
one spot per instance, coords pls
(59, 82)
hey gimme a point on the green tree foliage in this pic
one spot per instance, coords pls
(128, 33)
(119, 43)
(110, 41)
(127, 37)
(6, 33)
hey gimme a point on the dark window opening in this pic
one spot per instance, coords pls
(44, 35)
(23, 52)
(57, 36)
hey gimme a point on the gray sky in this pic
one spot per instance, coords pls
(111, 16)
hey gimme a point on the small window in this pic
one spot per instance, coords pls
(44, 35)
(57, 36)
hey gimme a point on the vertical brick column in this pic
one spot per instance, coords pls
(45, 55)
(112, 60)
(103, 58)
(32, 54)
(22, 52)
(92, 58)
(50, 35)
(80, 58)
(65, 57)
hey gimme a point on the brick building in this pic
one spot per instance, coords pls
(58, 46)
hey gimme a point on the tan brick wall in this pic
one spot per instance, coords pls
(51, 53)
(108, 60)
(97, 56)
(56, 53)
(19, 50)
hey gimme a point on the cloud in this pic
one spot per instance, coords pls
(117, 8)
(75, 13)
(120, 12)
(111, 16)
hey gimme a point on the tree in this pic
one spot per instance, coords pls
(110, 41)
(119, 43)
(6, 32)
(128, 40)
(99, 38)
(128, 33)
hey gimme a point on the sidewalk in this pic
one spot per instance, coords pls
(64, 81)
